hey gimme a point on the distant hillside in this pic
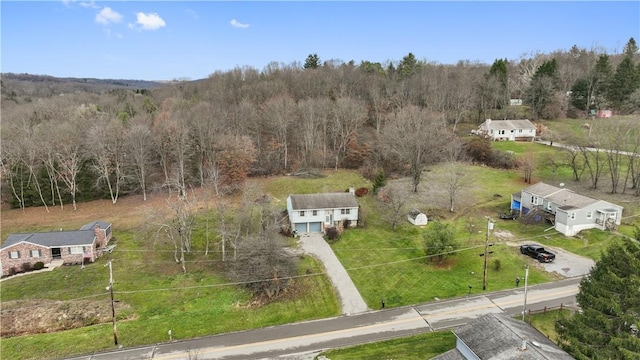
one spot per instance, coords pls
(44, 85)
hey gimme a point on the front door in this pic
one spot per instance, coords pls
(56, 253)
(329, 219)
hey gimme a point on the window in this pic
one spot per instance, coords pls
(345, 211)
(534, 200)
(314, 213)
(75, 250)
(519, 131)
(35, 253)
(572, 216)
(549, 205)
(501, 132)
(14, 255)
(589, 214)
(302, 213)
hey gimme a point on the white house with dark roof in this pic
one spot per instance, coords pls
(499, 337)
(71, 247)
(570, 212)
(316, 212)
(508, 130)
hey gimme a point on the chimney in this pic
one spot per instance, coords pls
(488, 124)
(351, 190)
(99, 235)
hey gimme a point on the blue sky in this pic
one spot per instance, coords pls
(164, 40)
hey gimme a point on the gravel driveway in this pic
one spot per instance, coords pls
(566, 264)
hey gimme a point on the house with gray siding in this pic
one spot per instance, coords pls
(316, 212)
(569, 212)
(497, 336)
(70, 247)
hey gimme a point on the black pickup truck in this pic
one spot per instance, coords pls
(537, 252)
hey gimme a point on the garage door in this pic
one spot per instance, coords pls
(301, 227)
(315, 227)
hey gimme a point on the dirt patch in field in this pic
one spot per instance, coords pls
(28, 317)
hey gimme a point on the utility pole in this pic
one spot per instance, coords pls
(486, 253)
(110, 288)
(526, 279)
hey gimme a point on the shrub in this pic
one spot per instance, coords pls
(26, 266)
(362, 192)
(38, 266)
(379, 182)
(497, 264)
(12, 271)
(332, 233)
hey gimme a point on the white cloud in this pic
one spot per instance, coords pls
(192, 13)
(150, 21)
(85, 4)
(106, 16)
(89, 4)
(235, 23)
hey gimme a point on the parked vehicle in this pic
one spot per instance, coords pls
(537, 252)
(509, 216)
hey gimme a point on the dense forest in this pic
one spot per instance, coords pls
(66, 140)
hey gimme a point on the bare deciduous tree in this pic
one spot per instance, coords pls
(394, 201)
(527, 164)
(414, 137)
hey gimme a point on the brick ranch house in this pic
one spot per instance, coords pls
(71, 247)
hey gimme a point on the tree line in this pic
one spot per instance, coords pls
(396, 117)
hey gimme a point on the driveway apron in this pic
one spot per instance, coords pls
(350, 298)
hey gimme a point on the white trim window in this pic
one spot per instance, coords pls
(14, 255)
(76, 250)
(345, 211)
(35, 253)
(589, 214)
(314, 213)
(301, 213)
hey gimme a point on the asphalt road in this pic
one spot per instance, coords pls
(305, 339)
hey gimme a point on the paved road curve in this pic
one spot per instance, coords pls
(303, 340)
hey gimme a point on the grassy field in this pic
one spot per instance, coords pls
(155, 296)
(418, 347)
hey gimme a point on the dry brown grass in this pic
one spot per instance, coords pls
(128, 213)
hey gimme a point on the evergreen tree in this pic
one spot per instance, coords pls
(499, 76)
(541, 94)
(624, 82)
(602, 74)
(408, 65)
(631, 48)
(312, 61)
(609, 297)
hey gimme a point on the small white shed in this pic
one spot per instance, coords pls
(417, 218)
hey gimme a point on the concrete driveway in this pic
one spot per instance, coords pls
(350, 298)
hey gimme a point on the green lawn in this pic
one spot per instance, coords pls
(423, 346)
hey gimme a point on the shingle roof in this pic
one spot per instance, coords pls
(103, 225)
(499, 337)
(84, 236)
(323, 201)
(53, 238)
(569, 199)
(564, 198)
(511, 124)
(542, 189)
